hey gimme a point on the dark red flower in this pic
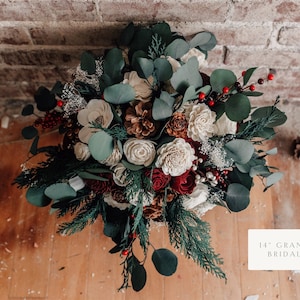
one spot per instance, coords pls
(159, 179)
(99, 186)
(185, 183)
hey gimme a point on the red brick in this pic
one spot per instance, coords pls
(51, 10)
(289, 36)
(186, 11)
(62, 56)
(91, 34)
(264, 11)
(266, 57)
(14, 36)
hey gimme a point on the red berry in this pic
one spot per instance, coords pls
(260, 81)
(211, 103)
(252, 87)
(243, 73)
(270, 76)
(59, 103)
(225, 90)
(125, 252)
(201, 96)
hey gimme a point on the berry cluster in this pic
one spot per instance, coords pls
(50, 120)
(213, 97)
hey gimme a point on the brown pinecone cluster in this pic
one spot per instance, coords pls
(139, 121)
(177, 126)
(155, 210)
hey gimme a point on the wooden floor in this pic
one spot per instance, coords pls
(37, 263)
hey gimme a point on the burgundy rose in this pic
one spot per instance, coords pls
(99, 186)
(185, 183)
(159, 179)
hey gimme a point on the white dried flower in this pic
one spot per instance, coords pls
(81, 151)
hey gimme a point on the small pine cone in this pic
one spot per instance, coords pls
(139, 121)
(177, 126)
(296, 148)
(118, 195)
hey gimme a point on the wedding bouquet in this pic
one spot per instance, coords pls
(148, 138)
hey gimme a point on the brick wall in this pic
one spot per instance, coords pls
(40, 40)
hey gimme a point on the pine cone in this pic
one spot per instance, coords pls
(177, 126)
(296, 148)
(139, 121)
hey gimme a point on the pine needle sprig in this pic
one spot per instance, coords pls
(191, 236)
(87, 214)
(157, 47)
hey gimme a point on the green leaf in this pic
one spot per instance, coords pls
(237, 107)
(243, 178)
(163, 106)
(45, 100)
(29, 132)
(220, 78)
(111, 229)
(60, 191)
(87, 62)
(273, 178)
(127, 34)
(36, 196)
(260, 170)
(131, 166)
(190, 94)
(239, 150)
(27, 110)
(87, 175)
(119, 93)
(186, 76)
(204, 40)
(272, 151)
(164, 31)
(219, 109)
(177, 48)
(138, 277)
(141, 40)
(101, 145)
(165, 261)
(237, 197)
(275, 116)
(163, 69)
(248, 75)
(113, 65)
(34, 145)
(252, 94)
(144, 67)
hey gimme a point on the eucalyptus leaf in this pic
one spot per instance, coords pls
(272, 151)
(119, 93)
(204, 40)
(131, 166)
(127, 34)
(252, 94)
(239, 150)
(190, 94)
(36, 196)
(113, 65)
(29, 132)
(163, 69)
(138, 277)
(177, 48)
(237, 107)
(164, 31)
(101, 145)
(165, 261)
(34, 145)
(60, 191)
(241, 177)
(221, 78)
(163, 106)
(273, 178)
(237, 197)
(88, 63)
(45, 100)
(186, 76)
(27, 110)
(111, 229)
(259, 170)
(144, 67)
